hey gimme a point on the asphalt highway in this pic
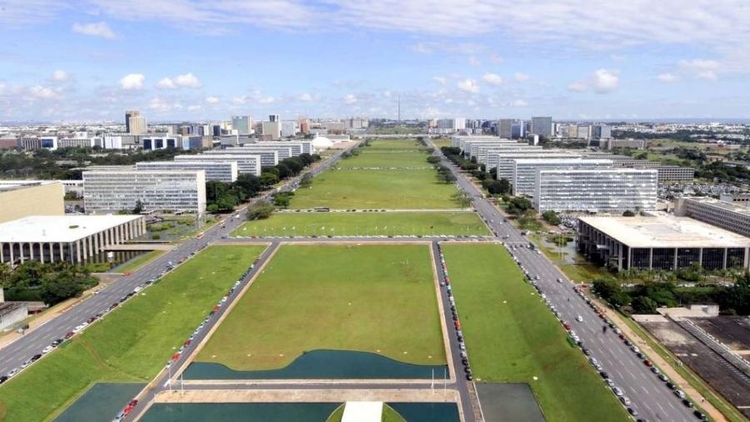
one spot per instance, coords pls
(649, 396)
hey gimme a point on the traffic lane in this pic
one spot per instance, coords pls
(459, 374)
(631, 375)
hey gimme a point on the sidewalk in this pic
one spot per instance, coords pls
(665, 367)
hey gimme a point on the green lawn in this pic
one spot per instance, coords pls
(441, 142)
(369, 189)
(372, 298)
(133, 342)
(375, 223)
(139, 261)
(512, 337)
(393, 158)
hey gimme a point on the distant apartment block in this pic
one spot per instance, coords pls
(223, 171)
(667, 173)
(268, 157)
(505, 128)
(541, 126)
(135, 123)
(597, 190)
(246, 164)
(504, 161)
(112, 191)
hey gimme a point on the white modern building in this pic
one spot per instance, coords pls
(595, 190)
(524, 170)
(504, 160)
(298, 147)
(727, 215)
(223, 171)
(65, 238)
(484, 151)
(112, 191)
(268, 158)
(246, 163)
(281, 151)
(660, 242)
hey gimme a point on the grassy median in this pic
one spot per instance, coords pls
(511, 336)
(371, 298)
(133, 342)
(366, 224)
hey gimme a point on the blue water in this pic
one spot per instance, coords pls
(323, 364)
(102, 402)
(245, 412)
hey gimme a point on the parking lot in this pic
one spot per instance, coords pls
(722, 376)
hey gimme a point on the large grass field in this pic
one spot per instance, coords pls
(371, 298)
(393, 158)
(130, 344)
(365, 224)
(368, 189)
(512, 337)
(441, 142)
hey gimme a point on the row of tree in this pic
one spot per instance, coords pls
(646, 297)
(224, 197)
(50, 283)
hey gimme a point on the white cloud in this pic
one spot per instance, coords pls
(266, 100)
(42, 92)
(605, 81)
(99, 29)
(578, 86)
(305, 97)
(519, 103)
(212, 100)
(668, 78)
(133, 81)
(468, 85)
(239, 100)
(601, 81)
(442, 80)
(187, 80)
(701, 68)
(60, 76)
(162, 105)
(195, 108)
(708, 75)
(492, 79)
(350, 99)
(520, 77)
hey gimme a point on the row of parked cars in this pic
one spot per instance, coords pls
(454, 315)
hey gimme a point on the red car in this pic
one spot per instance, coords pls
(69, 335)
(458, 325)
(566, 325)
(648, 363)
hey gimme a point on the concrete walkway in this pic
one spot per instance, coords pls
(306, 396)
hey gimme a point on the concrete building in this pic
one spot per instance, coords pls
(505, 164)
(667, 173)
(729, 216)
(609, 144)
(11, 313)
(135, 123)
(223, 171)
(151, 143)
(518, 130)
(505, 128)
(282, 152)
(112, 191)
(599, 191)
(738, 198)
(523, 180)
(483, 151)
(661, 242)
(246, 163)
(268, 157)
(242, 124)
(74, 239)
(273, 129)
(21, 198)
(602, 132)
(298, 147)
(541, 126)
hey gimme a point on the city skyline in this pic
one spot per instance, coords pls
(180, 59)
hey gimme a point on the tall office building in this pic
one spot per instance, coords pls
(505, 128)
(541, 126)
(518, 129)
(274, 118)
(242, 124)
(135, 123)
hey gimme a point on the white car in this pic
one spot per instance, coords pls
(47, 350)
(12, 373)
(635, 349)
(617, 391)
(579, 318)
(78, 328)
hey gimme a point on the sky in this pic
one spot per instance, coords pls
(90, 60)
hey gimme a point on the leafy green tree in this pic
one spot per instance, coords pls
(138, 207)
(519, 205)
(306, 180)
(249, 184)
(269, 179)
(628, 213)
(259, 211)
(644, 305)
(551, 217)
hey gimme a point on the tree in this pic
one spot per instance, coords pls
(518, 205)
(504, 186)
(269, 179)
(628, 213)
(644, 305)
(259, 211)
(607, 288)
(248, 184)
(433, 159)
(284, 171)
(306, 180)
(138, 207)
(462, 198)
(551, 217)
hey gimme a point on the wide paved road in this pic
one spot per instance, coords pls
(649, 396)
(13, 355)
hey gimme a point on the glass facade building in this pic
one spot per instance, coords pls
(524, 171)
(223, 171)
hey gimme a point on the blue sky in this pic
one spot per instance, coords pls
(207, 60)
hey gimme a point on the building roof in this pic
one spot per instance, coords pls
(63, 229)
(571, 160)
(729, 206)
(8, 185)
(665, 231)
